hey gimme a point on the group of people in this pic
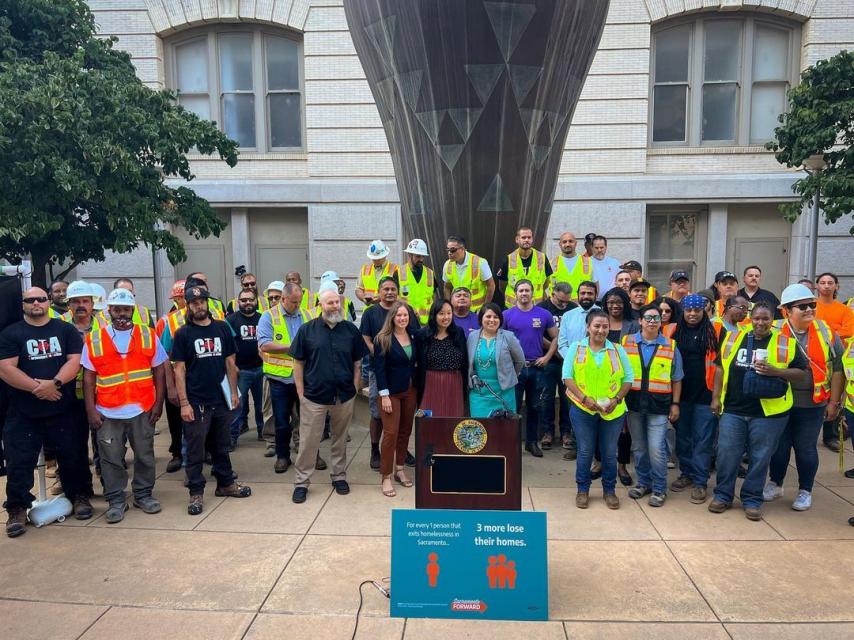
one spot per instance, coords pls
(727, 379)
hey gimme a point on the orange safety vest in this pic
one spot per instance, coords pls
(819, 339)
(176, 319)
(122, 380)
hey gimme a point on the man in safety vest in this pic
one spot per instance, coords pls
(570, 267)
(848, 368)
(734, 316)
(816, 399)
(124, 385)
(653, 402)
(635, 271)
(169, 323)
(277, 329)
(248, 282)
(348, 309)
(417, 282)
(465, 269)
(308, 300)
(370, 274)
(525, 263)
(725, 287)
(58, 298)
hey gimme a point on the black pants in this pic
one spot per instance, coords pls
(23, 437)
(173, 417)
(81, 434)
(212, 425)
(4, 403)
(283, 397)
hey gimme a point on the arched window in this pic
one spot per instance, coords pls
(720, 79)
(246, 78)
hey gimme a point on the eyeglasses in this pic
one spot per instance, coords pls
(652, 318)
(453, 250)
(740, 307)
(248, 285)
(802, 307)
(35, 299)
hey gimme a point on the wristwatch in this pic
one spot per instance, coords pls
(57, 383)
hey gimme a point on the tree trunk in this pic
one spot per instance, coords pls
(39, 276)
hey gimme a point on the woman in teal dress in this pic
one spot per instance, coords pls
(495, 360)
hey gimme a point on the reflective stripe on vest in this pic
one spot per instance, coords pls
(819, 339)
(660, 368)
(536, 273)
(281, 365)
(471, 280)
(780, 355)
(176, 319)
(419, 295)
(370, 283)
(588, 378)
(581, 271)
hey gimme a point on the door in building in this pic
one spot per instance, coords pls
(274, 261)
(772, 256)
(211, 261)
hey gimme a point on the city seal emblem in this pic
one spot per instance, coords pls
(470, 436)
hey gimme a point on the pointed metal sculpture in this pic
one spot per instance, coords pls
(476, 98)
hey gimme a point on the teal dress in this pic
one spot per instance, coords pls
(481, 402)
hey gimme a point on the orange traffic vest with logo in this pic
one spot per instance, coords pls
(122, 380)
(370, 283)
(819, 339)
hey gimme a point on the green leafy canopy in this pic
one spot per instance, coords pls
(85, 146)
(820, 121)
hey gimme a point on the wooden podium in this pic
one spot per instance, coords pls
(468, 463)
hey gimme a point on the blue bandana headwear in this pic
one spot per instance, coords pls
(693, 301)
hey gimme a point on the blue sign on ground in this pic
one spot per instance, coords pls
(469, 564)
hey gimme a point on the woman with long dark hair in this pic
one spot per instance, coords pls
(670, 309)
(442, 363)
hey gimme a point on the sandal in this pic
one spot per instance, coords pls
(388, 493)
(402, 479)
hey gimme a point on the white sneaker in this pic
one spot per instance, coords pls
(772, 492)
(803, 501)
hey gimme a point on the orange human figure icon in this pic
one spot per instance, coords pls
(432, 569)
(511, 575)
(501, 571)
(491, 572)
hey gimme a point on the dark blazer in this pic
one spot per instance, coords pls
(458, 337)
(394, 370)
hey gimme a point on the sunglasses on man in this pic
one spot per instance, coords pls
(805, 305)
(34, 299)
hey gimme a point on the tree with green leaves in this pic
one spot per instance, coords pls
(86, 147)
(820, 121)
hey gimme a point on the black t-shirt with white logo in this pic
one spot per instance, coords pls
(245, 328)
(203, 351)
(41, 352)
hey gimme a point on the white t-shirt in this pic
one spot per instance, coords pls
(121, 340)
(462, 269)
(604, 272)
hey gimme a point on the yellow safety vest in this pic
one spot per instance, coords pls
(370, 283)
(536, 273)
(660, 369)
(850, 303)
(263, 304)
(848, 367)
(96, 327)
(308, 301)
(470, 280)
(55, 314)
(583, 270)
(141, 316)
(419, 295)
(281, 365)
(744, 325)
(781, 352)
(651, 294)
(598, 382)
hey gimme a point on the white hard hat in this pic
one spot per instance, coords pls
(120, 298)
(327, 285)
(378, 250)
(417, 247)
(80, 289)
(100, 296)
(795, 292)
(330, 275)
(275, 285)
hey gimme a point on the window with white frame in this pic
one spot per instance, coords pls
(675, 241)
(721, 80)
(248, 80)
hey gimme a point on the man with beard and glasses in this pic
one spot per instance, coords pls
(204, 354)
(327, 353)
(248, 282)
(124, 387)
(244, 323)
(39, 361)
(573, 325)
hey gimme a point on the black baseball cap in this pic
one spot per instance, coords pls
(638, 282)
(720, 276)
(195, 293)
(589, 237)
(631, 265)
(679, 275)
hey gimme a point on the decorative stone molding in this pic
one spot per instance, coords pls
(662, 9)
(168, 16)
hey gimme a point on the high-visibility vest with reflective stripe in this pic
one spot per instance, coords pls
(370, 283)
(598, 382)
(55, 314)
(651, 294)
(708, 360)
(848, 367)
(745, 324)
(536, 273)
(263, 304)
(281, 365)
(175, 320)
(583, 270)
(141, 315)
(470, 280)
(819, 340)
(309, 300)
(660, 367)
(124, 380)
(419, 295)
(96, 326)
(781, 352)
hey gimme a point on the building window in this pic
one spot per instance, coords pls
(247, 80)
(720, 80)
(675, 240)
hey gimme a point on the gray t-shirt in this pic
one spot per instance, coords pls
(802, 393)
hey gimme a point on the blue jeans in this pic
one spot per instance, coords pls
(551, 378)
(695, 436)
(249, 380)
(283, 397)
(801, 432)
(759, 437)
(590, 430)
(649, 447)
(530, 386)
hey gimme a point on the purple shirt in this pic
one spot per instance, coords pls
(467, 324)
(529, 327)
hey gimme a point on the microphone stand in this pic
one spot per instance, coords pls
(506, 412)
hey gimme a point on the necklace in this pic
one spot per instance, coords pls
(482, 363)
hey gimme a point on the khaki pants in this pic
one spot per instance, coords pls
(313, 417)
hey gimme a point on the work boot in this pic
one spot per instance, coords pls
(698, 494)
(716, 506)
(375, 456)
(612, 501)
(234, 490)
(281, 465)
(196, 505)
(16, 525)
(116, 513)
(534, 449)
(571, 454)
(681, 483)
(82, 508)
(174, 464)
(753, 513)
(582, 499)
(147, 504)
